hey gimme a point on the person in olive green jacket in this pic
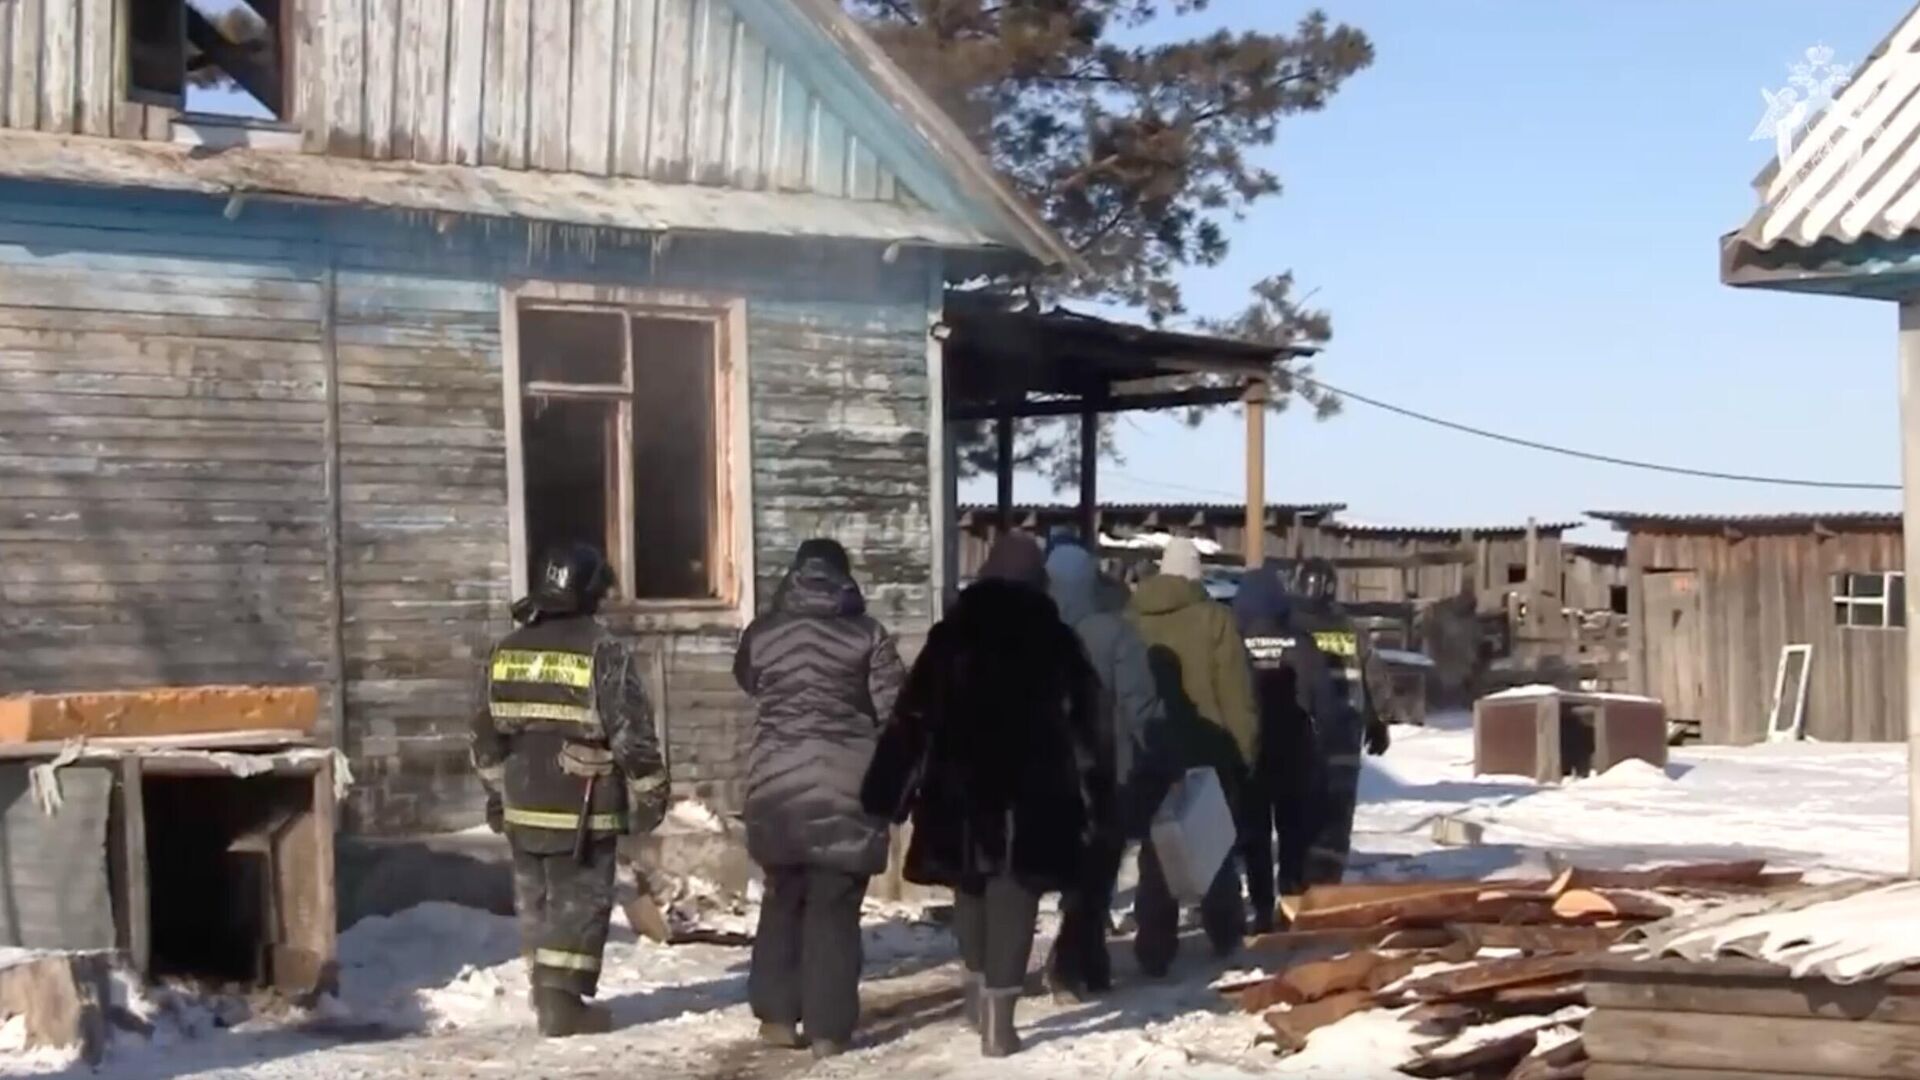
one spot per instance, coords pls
(1206, 681)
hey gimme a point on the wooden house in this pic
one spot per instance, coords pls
(297, 400)
(1714, 600)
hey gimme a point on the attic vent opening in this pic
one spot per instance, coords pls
(223, 58)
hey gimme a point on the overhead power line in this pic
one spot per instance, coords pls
(1604, 459)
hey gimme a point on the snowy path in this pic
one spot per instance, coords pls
(438, 992)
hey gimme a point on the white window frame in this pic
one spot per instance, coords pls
(1796, 713)
(733, 469)
(1843, 594)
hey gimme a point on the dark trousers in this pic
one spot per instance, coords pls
(1158, 914)
(1264, 814)
(806, 953)
(1080, 957)
(1333, 821)
(563, 906)
(995, 928)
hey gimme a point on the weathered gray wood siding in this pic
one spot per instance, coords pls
(61, 70)
(669, 90)
(176, 386)
(162, 496)
(1758, 594)
(672, 90)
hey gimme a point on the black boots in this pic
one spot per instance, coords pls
(561, 1014)
(972, 984)
(997, 1037)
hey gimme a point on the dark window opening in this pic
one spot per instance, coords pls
(572, 494)
(1617, 599)
(674, 458)
(621, 445)
(227, 58)
(582, 346)
(1516, 573)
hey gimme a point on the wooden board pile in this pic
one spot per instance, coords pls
(1493, 971)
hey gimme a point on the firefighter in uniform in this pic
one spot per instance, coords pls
(1361, 690)
(1295, 688)
(566, 748)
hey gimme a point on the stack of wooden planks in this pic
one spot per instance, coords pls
(1494, 971)
(1666, 1019)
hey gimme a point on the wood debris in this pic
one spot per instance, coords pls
(1456, 955)
(1292, 1026)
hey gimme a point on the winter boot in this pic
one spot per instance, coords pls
(997, 1037)
(971, 985)
(1065, 990)
(826, 1048)
(782, 1036)
(561, 1014)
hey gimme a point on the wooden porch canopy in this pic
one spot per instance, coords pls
(1004, 366)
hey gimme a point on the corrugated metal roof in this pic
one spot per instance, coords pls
(1858, 519)
(1855, 171)
(1348, 528)
(1176, 509)
(1848, 939)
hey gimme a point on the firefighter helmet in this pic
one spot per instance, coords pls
(1317, 582)
(572, 579)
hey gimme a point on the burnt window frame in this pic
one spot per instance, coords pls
(282, 115)
(732, 540)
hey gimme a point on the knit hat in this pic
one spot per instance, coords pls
(1181, 559)
(1016, 557)
(827, 551)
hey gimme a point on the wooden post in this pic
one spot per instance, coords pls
(1090, 477)
(941, 473)
(1533, 575)
(335, 522)
(1003, 470)
(1255, 544)
(1910, 524)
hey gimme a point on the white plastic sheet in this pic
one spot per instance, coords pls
(1193, 833)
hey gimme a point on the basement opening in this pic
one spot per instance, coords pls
(230, 878)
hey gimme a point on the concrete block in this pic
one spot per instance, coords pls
(383, 876)
(63, 996)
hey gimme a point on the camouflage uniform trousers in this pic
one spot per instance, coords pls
(564, 905)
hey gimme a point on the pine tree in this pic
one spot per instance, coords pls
(1133, 146)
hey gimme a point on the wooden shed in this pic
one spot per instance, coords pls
(1714, 599)
(298, 400)
(1223, 523)
(1419, 562)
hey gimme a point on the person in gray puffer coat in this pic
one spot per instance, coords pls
(824, 677)
(1132, 722)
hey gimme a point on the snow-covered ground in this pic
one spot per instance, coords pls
(438, 991)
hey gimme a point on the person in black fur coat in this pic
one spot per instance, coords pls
(995, 754)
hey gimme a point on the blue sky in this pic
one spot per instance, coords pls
(1513, 217)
